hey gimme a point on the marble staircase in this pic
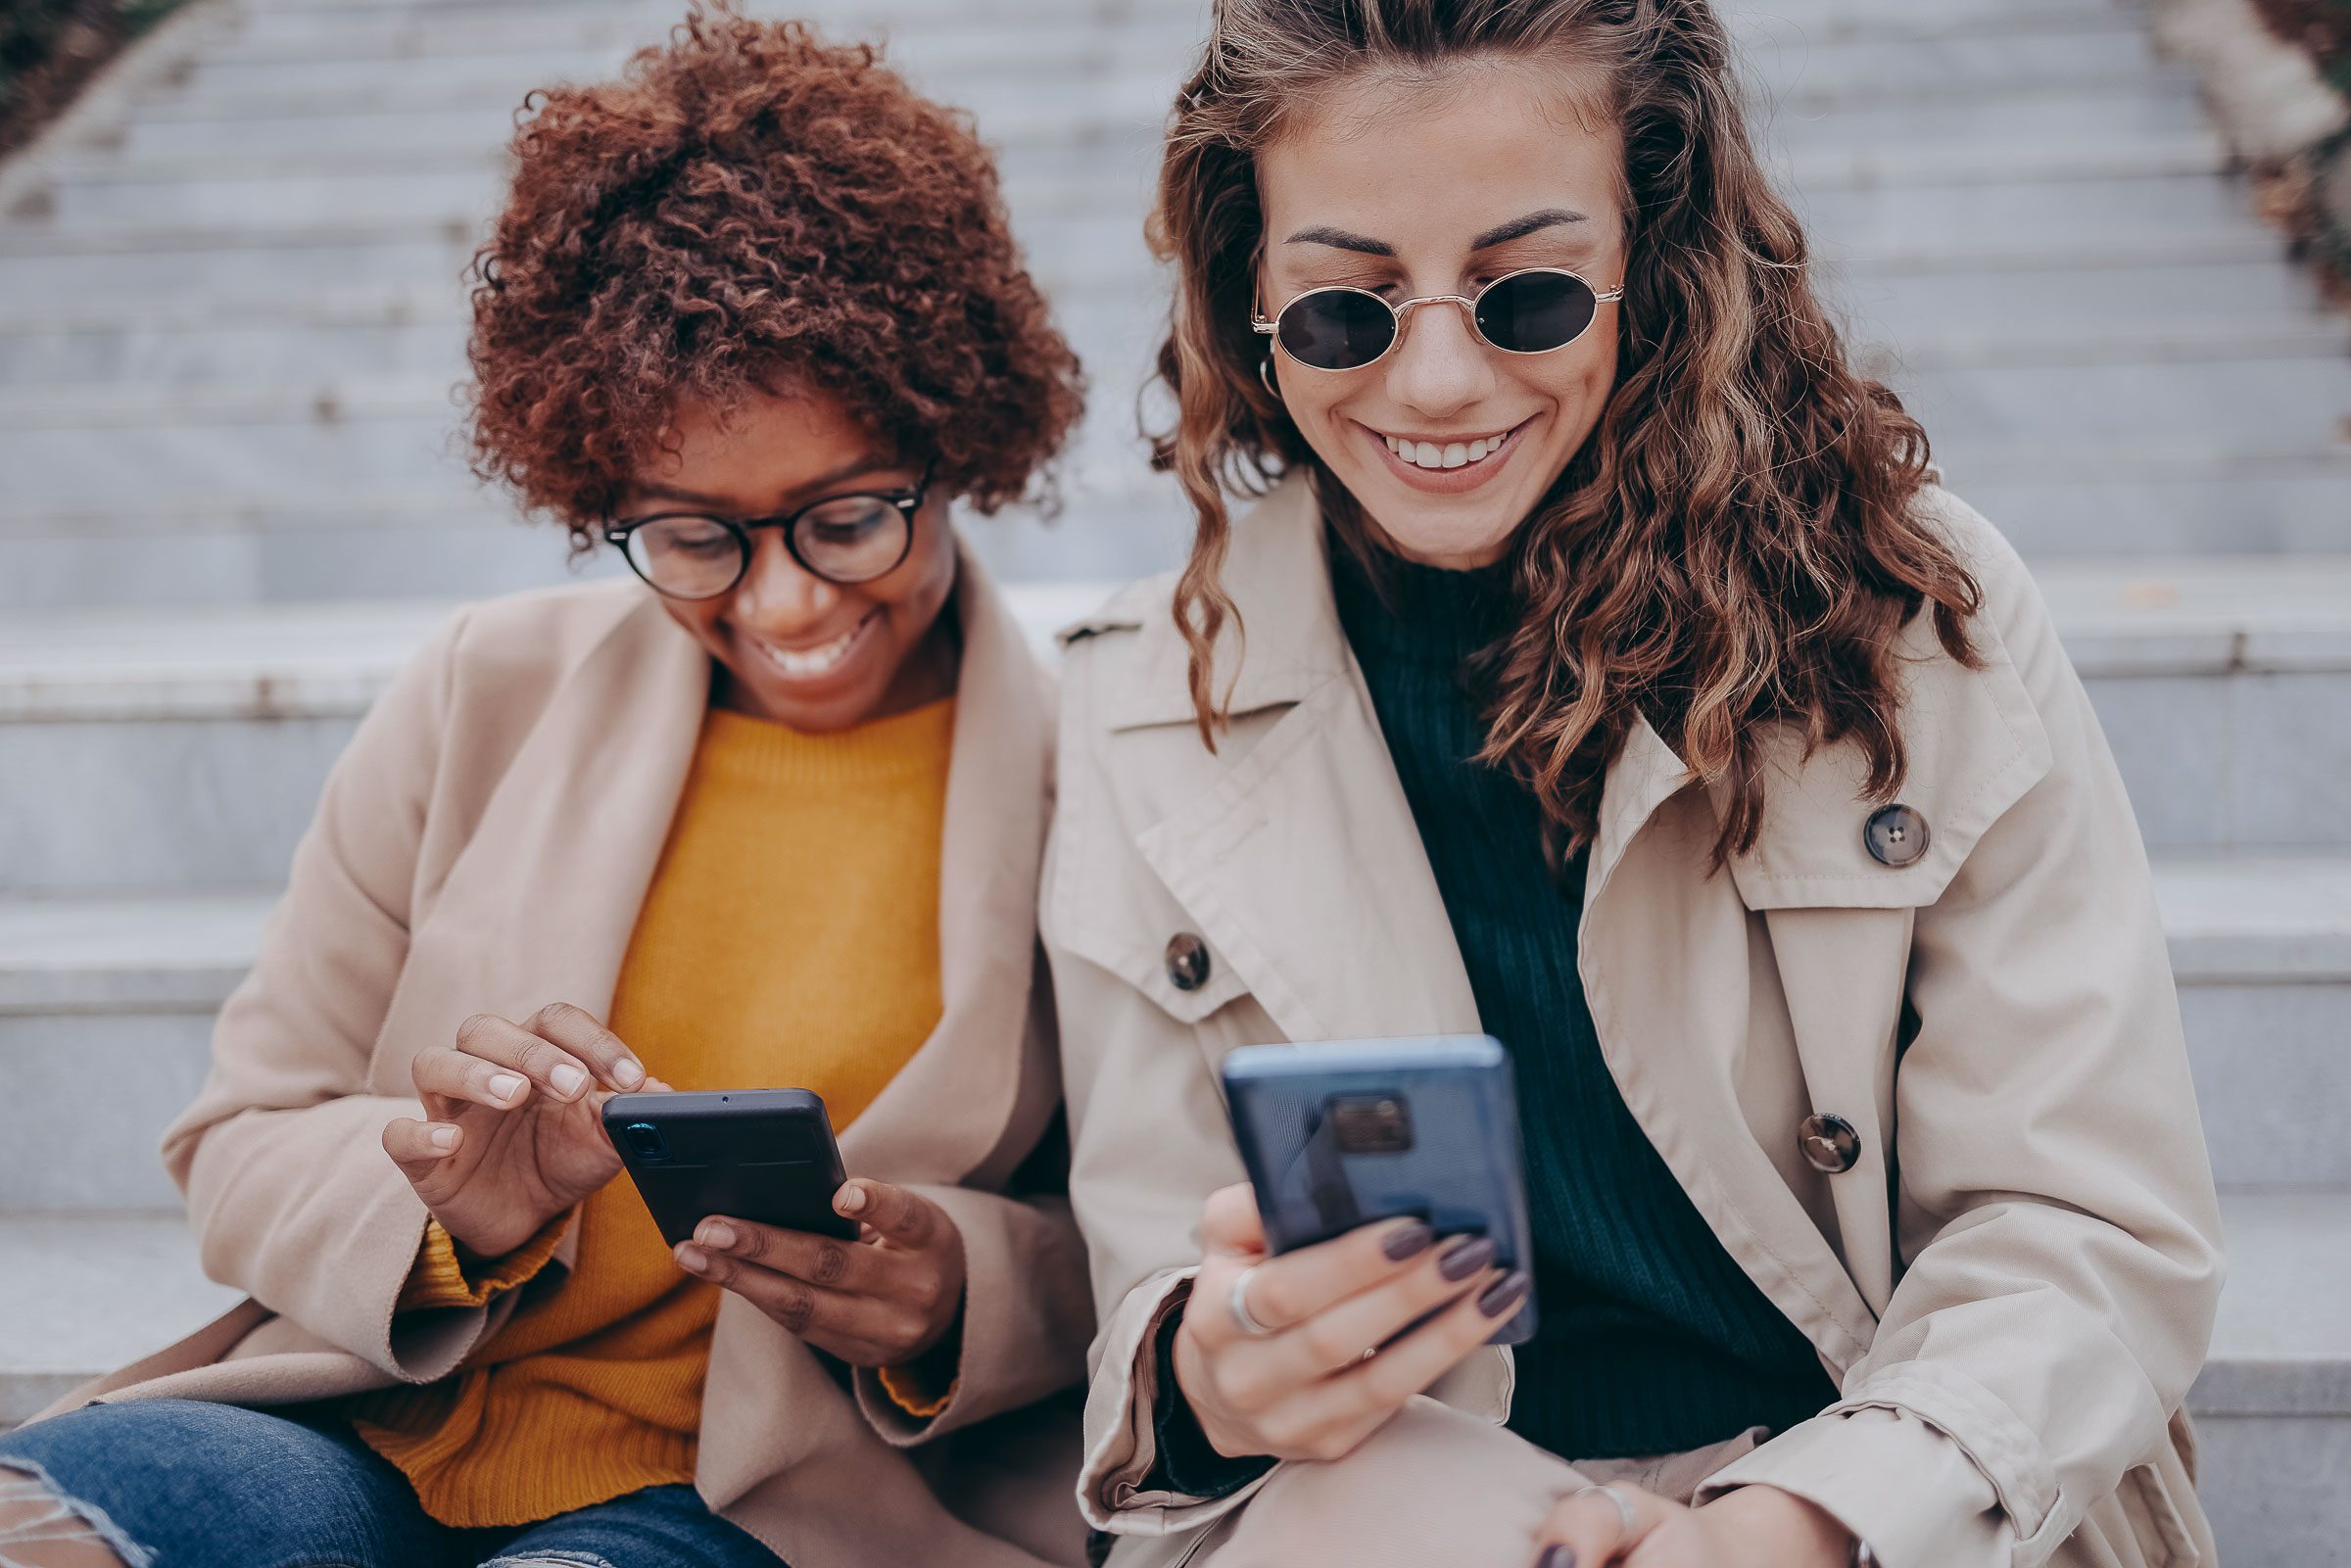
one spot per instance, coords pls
(230, 317)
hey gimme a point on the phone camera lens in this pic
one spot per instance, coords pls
(646, 1140)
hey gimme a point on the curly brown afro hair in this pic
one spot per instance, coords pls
(750, 210)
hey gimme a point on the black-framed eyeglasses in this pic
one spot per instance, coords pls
(1533, 310)
(848, 538)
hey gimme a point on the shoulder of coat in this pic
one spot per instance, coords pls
(2010, 601)
(544, 632)
(1128, 610)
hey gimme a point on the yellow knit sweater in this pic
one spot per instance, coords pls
(789, 939)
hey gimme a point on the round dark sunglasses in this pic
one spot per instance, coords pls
(842, 539)
(1531, 311)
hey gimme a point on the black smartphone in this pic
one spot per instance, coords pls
(1351, 1132)
(763, 1155)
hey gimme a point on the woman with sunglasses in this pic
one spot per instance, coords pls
(770, 817)
(1605, 671)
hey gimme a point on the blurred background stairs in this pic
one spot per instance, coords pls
(230, 320)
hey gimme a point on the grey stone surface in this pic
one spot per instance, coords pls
(230, 318)
(2274, 1488)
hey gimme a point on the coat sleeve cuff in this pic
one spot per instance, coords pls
(1885, 1463)
(1121, 1444)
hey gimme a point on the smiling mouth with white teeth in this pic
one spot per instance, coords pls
(808, 664)
(1451, 455)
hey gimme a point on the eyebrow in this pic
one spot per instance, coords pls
(1518, 228)
(868, 463)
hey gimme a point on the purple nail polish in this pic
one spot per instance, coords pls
(1409, 1242)
(1465, 1258)
(1505, 1293)
(1557, 1557)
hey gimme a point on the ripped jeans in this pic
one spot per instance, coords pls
(177, 1483)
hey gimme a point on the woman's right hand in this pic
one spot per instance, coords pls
(1307, 1388)
(515, 1134)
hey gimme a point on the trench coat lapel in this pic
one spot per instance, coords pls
(940, 1118)
(540, 905)
(1302, 867)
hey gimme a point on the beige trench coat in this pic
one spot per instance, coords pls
(2015, 1284)
(484, 845)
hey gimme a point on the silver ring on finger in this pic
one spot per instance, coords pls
(1628, 1524)
(1237, 1301)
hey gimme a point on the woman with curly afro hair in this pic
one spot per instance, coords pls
(770, 814)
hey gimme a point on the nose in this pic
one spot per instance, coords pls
(779, 597)
(1440, 367)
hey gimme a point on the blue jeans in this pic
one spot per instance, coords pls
(177, 1483)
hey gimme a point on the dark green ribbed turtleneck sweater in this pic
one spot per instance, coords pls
(1651, 1339)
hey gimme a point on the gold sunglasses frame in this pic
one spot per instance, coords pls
(1467, 301)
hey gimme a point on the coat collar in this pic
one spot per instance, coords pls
(1289, 645)
(1975, 740)
(541, 903)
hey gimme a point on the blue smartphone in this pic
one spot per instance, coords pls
(1347, 1132)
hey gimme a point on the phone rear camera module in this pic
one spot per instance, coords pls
(1372, 1123)
(645, 1141)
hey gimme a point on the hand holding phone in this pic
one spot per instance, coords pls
(1383, 1239)
(748, 1187)
(512, 1136)
(1351, 1328)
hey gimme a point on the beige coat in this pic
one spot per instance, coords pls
(484, 845)
(2013, 1291)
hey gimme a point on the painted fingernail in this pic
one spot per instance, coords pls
(627, 1073)
(717, 1235)
(694, 1259)
(505, 1086)
(852, 1200)
(1557, 1557)
(1465, 1258)
(568, 1079)
(1409, 1241)
(445, 1137)
(1505, 1293)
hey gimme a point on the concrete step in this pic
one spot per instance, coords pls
(121, 991)
(1986, 200)
(372, 273)
(278, 545)
(2273, 1408)
(118, 322)
(1008, 100)
(174, 748)
(123, 447)
(88, 1292)
(436, 34)
(1787, 74)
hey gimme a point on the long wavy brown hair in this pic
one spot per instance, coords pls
(1735, 546)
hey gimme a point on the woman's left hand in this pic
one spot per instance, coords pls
(1755, 1527)
(880, 1300)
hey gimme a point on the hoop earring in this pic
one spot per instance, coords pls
(1264, 376)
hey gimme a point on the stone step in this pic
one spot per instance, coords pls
(370, 275)
(123, 447)
(85, 1294)
(1790, 73)
(276, 546)
(170, 747)
(1901, 318)
(122, 991)
(1010, 103)
(2040, 139)
(436, 34)
(332, 272)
